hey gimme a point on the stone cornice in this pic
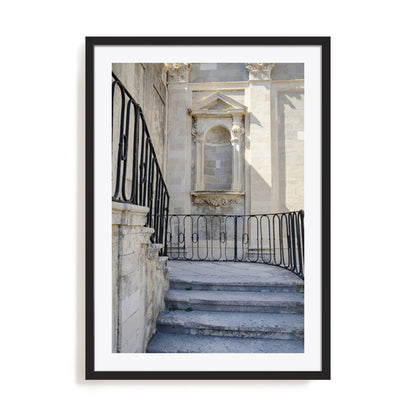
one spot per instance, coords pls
(294, 85)
(217, 113)
(128, 214)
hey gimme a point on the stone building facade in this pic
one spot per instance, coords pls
(235, 138)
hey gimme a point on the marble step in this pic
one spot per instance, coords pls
(273, 283)
(232, 324)
(179, 343)
(234, 301)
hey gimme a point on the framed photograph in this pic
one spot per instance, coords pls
(208, 208)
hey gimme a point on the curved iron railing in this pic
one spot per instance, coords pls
(276, 239)
(137, 177)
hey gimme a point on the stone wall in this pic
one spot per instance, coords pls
(231, 72)
(139, 279)
(147, 84)
(271, 147)
(291, 150)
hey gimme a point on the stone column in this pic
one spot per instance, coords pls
(197, 132)
(179, 147)
(237, 132)
(260, 137)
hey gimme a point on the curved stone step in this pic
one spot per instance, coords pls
(174, 343)
(231, 324)
(233, 301)
(284, 282)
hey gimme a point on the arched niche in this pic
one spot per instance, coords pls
(218, 159)
(218, 132)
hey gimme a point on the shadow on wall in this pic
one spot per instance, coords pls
(288, 71)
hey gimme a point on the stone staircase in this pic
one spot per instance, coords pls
(217, 307)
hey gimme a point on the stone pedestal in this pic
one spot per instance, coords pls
(139, 279)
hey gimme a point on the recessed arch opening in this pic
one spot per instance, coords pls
(218, 159)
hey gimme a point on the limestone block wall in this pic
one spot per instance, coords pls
(218, 72)
(179, 149)
(139, 280)
(271, 149)
(146, 82)
(233, 72)
(287, 71)
(290, 132)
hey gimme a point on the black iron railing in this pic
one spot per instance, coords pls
(137, 177)
(276, 239)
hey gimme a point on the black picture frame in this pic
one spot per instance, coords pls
(93, 42)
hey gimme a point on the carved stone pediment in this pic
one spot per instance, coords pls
(217, 105)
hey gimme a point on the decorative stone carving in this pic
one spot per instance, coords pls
(198, 129)
(237, 130)
(217, 199)
(217, 105)
(216, 202)
(153, 250)
(178, 72)
(259, 71)
(161, 263)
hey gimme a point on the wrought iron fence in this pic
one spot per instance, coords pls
(276, 239)
(137, 177)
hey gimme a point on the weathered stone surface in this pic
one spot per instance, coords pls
(235, 301)
(173, 343)
(232, 324)
(139, 280)
(230, 307)
(147, 84)
(232, 277)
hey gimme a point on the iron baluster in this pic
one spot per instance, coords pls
(135, 164)
(279, 243)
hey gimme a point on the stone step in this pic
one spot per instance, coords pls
(231, 324)
(237, 283)
(174, 343)
(233, 301)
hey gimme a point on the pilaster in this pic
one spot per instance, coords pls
(179, 149)
(260, 137)
(237, 131)
(197, 133)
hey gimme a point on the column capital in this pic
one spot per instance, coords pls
(259, 71)
(198, 129)
(237, 129)
(178, 72)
